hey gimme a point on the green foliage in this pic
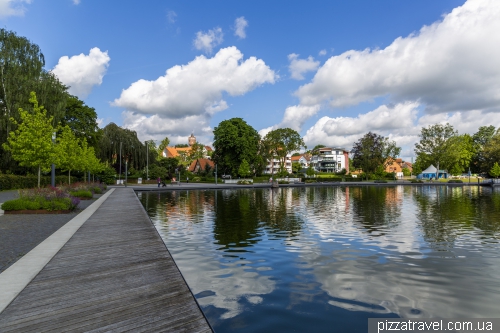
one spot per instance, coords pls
(310, 171)
(196, 179)
(281, 142)
(435, 146)
(481, 139)
(406, 172)
(296, 166)
(21, 72)
(235, 141)
(161, 147)
(244, 169)
(491, 152)
(244, 182)
(107, 175)
(82, 120)
(132, 150)
(315, 150)
(31, 143)
(495, 170)
(456, 181)
(380, 181)
(416, 181)
(372, 151)
(81, 193)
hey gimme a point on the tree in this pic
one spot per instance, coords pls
(132, 149)
(296, 166)
(281, 142)
(495, 170)
(161, 147)
(491, 152)
(235, 141)
(406, 172)
(31, 143)
(68, 151)
(315, 150)
(244, 169)
(21, 72)
(481, 139)
(197, 151)
(82, 120)
(461, 150)
(433, 147)
(372, 151)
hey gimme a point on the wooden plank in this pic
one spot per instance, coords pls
(114, 274)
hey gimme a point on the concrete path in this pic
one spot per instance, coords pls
(113, 274)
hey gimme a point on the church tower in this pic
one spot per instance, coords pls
(192, 140)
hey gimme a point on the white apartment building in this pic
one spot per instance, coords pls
(331, 160)
(273, 166)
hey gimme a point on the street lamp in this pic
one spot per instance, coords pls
(53, 171)
(120, 174)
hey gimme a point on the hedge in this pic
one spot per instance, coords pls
(14, 182)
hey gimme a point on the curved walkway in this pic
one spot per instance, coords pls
(113, 274)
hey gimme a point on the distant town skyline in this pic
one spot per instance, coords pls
(332, 71)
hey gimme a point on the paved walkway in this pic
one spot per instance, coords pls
(113, 274)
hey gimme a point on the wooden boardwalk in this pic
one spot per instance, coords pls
(114, 275)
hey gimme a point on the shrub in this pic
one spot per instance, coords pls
(310, 181)
(244, 182)
(380, 181)
(40, 203)
(283, 182)
(416, 181)
(81, 194)
(196, 179)
(457, 181)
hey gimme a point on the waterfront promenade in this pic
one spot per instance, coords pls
(105, 270)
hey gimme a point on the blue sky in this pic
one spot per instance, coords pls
(331, 70)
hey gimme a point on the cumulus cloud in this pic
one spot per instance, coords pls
(187, 96)
(157, 127)
(197, 88)
(322, 52)
(13, 7)
(82, 72)
(401, 123)
(385, 120)
(298, 67)
(451, 65)
(76, 2)
(240, 24)
(206, 41)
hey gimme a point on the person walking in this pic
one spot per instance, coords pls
(187, 180)
(159, 181)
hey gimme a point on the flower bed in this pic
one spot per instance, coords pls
(49, 199)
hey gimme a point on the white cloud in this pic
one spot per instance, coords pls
(207, 41)
(82, 72)
(295, 116)
(197, 88)
(452, 65)
(385, 120)
(240, 25)
(171, 16)
(298, 66)
(13, 7)
(76, 2)
(157, 128)
(322, 52)
(187, 96)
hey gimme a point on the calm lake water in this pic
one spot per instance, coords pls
(325, 259)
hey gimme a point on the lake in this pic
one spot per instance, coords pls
(325, 259)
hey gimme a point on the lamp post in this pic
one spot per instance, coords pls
(126, 171)
(147, 160)
(120, 174)
(53, 171)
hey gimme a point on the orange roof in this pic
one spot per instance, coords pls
(202, 162)
(174, 152)
(296, 158)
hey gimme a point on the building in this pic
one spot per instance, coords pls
(303, 159)
(273, 166)
(331, 160)
(182, 152)
(431, 172)
(201, 164)
(397, 165)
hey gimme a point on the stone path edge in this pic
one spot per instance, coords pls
(15, 278)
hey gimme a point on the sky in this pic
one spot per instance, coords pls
(332, 70)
